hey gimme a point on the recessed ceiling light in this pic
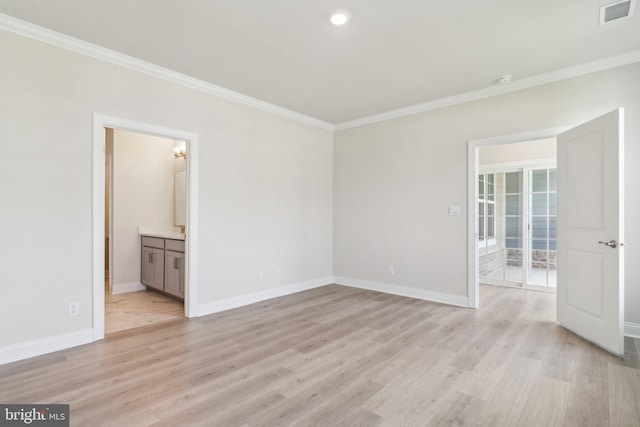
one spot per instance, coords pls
(503, 80)
(339, 17)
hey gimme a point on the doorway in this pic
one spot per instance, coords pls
(517, 221)
(144, 189)
(101, 124)
(498, 164)
(590, 198)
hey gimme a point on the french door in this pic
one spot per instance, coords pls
(517, 210)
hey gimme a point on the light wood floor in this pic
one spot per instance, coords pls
(336, 356)
(135, 309)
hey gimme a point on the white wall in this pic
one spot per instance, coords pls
(523, 151)
(265, 185)
(393, 180)
(143, 198)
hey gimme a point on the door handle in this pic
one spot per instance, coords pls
(611, 243)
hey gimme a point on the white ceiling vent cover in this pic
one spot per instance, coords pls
(618, 10)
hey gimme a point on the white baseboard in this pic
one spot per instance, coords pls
(121, 288)
(632, 329)
(24, 350)
(242, 300)
(458, 300)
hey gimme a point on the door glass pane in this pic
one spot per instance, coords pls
(513, 227)
(538, 273)
(553, 180)
(539, 244)
(539, 227)
(539, 180)
(553, 204)
(539, 204)
(513, 183)
(553, 227)
(513, 243)
(490, 228)
(513, 272)
(502, 254)
(490, 187)
(513, 204)
(543, 224)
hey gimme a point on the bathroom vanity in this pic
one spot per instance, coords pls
(163, 263)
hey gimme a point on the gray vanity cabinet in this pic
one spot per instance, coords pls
(153, 262)
(174, 268)
(163, 265)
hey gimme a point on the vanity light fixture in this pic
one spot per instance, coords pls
(339, 17)
(179, 152)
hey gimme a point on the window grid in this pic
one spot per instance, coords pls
(542, 210)
(486, 209)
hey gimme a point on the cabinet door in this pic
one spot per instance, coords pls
(148, 270)
(174, 273)
(152, 267)
(158, 268)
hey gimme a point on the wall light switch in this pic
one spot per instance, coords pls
(454, 210)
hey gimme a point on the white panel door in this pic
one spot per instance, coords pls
(590, 231)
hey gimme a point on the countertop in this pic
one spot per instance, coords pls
(164, 234)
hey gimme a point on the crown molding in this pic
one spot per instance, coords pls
(550, 77)
(36, 32)
(27, 29)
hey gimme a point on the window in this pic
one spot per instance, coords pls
(487, 209)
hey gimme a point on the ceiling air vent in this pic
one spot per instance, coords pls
(614, 11)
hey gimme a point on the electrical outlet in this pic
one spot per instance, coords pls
(74, 308)
(260, 275)
(278, 274)
(391, 270)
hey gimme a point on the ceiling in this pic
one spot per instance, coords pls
(391, 54)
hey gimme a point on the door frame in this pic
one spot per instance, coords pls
(109, 202)
(473, 168)
(100, 122)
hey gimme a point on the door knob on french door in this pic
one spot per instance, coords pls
(611, 243)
